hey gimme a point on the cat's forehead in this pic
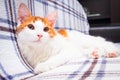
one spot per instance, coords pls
(39, 23)
(32, 20)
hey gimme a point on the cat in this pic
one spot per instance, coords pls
(46, 48)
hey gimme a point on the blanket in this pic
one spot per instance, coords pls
(84, 69)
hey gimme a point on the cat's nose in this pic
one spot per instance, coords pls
(39, 35)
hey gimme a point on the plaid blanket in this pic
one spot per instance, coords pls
(13, 66)
(84, 69)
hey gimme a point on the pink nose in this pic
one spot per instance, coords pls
(39, 35)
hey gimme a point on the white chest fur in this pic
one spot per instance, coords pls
(38, 52)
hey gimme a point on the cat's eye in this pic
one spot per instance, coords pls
(46, 29)
(30, 26)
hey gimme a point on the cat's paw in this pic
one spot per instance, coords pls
(108, 50)
(111, 51)
(43, 67)
(111, 55)
(95, 54)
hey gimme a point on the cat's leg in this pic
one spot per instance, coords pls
(55, 61)
(51, 63)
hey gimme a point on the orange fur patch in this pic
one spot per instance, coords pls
(63, 32)
(28, 20)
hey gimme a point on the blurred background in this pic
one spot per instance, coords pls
(103, 17)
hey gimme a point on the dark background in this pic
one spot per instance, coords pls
(104, 18)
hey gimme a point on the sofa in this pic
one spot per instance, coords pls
(71, 15)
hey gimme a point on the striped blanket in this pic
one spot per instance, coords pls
(13, 66)
(84, 69)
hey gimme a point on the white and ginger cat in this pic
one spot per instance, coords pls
(46, 48)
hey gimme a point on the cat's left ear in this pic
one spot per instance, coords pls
(52, 17)
(23, 12)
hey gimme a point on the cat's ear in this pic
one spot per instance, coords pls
(23, 12)
(52, 17)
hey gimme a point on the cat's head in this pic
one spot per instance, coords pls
(33, 28)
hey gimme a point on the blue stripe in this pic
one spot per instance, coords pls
(15, 16)
(100, 73)
(77, 15)
(7, 12)
(45, 9)
(80, 17)
(56, 9)
(5, 37)
(7, 21)
(21, 74)
(63, 15)
(33, 7)
(13, 38)
(28, 5)
(74, 17)
(75, 73)
(3, 70)
(10, 77)
(69, 18)
(70, 7)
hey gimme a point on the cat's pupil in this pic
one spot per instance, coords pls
(30, 26)
(46, 29)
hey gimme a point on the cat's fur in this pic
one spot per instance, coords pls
(46, 48)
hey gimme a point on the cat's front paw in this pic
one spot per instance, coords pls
(43, 67)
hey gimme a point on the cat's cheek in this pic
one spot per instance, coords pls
(26, 38)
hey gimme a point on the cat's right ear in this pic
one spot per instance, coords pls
(23, 12)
